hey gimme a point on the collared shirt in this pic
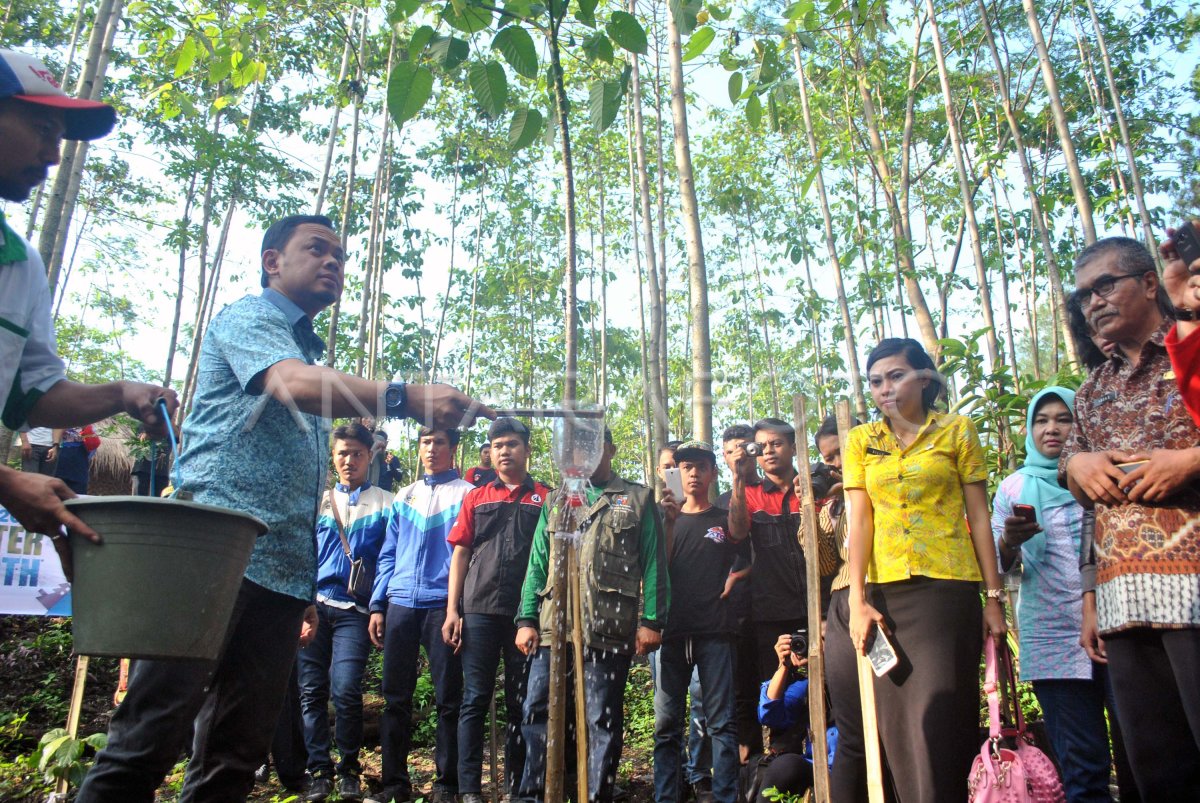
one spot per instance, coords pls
(29, 362)
(246, 451)
(1147, 555)
(920, 516)
(780, 579)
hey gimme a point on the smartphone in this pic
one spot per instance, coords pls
(1128, 467)
(1187, 243)
(674, 482)
(882, 656)
(1025, 512)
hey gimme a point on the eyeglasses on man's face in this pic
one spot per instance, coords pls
(1103, 287)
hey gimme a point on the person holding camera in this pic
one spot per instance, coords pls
(769, 515)
(783, 707)
(699, 632)
(915, 480)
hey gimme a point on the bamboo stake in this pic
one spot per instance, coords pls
(866, 683)
(81, 667)
(493, 784)
(557, 698)
(581, 730)
(816, 663)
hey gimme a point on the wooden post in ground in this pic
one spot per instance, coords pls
(816, 663)
(581, 729)
(866, 675)
(556, 732)
(81, 667)
(494, 783)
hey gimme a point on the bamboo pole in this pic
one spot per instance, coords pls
(494, 743)
(81, 668)
(581, 730)
(557, 698)
(866, 683)
(816, 664)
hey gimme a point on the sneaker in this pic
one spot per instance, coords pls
(322, 787)
(262, 774)
(702, 789)
(470, 797)
(349, 788)
(391, 794)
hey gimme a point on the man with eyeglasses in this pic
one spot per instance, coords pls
(769, 514)
(1134, 456)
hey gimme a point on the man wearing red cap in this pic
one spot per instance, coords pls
(35, 117)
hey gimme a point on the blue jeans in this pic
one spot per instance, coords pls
(334, 661)
(698, 764)
(713, 658)
(234, 702)
(484, 639)
(406, 631)
(1074, 712)
(604, 675)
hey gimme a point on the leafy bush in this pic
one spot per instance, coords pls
(61, 756)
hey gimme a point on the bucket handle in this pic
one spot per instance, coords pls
(166, 415)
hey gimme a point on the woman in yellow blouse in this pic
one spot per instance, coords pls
(920, 534)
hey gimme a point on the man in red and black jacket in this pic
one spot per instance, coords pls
(491, 539)
(769, 514)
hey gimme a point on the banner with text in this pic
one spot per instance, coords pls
(31, 578)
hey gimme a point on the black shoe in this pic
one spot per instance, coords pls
(322, 787)
(391, 794)
(470, 797)
(702, 789)
(349, 788)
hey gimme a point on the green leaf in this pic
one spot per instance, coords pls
(467, 17)
(773, 112)
(624, 29)
(489, 84)
(754, 111)
(524, 128)
(449, 51)
(187, 57)
(798, 10)
(684, 12)
(604, 99)
(719, 14)
(517, 47)
(701, 39)
(597, 47)
(420, 38)
(402, 10)
(585, 12)
(409, 88)
(735, 87)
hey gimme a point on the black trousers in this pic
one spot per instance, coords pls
(848, 781)
(746, 686)
(1155, 677)
(928, 705)
(235, 702)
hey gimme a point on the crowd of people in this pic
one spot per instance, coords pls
(1098, 525)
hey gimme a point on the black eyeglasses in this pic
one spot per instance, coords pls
(1103, 287)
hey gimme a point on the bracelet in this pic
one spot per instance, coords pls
(998, 594)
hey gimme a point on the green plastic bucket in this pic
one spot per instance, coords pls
(164, 582)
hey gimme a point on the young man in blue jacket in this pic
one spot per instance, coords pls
(408, 609)
(354, 517)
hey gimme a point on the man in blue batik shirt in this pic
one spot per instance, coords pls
(255, 442)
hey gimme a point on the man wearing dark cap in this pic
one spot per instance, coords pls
(35, 117)
(491, 541)
(699, 633)
(255, 441)
(622, 559)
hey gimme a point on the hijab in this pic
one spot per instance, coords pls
(1040, 488)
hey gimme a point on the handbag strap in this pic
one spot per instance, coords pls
(1009, 688)
(337, 517)
(991, 687)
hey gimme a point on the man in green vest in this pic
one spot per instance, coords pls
(623, 561)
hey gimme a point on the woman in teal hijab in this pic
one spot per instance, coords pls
(1044, 552)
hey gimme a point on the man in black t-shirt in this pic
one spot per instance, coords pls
(699, 630)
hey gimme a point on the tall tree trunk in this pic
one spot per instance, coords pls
(437, 343)
(375, 228)
(603, 299)
(1123, 126)
(571, 317)
(1058, 297)
(337, 113)
(697, 273)
(348, 197)
(772, 374)
(1083, 201)
(661, 211)
(184, 238)
(53, 240)
(835, 263)
(658, 324)
(966, 190)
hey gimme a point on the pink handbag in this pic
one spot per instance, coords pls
(1001, 775)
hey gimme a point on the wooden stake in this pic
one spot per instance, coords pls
(581, 725)
(494, 784)
(866, 675)
(816, 664)
(557, 700)
(81, 667)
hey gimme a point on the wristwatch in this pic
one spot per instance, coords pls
(395, 400)
(998, 594)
